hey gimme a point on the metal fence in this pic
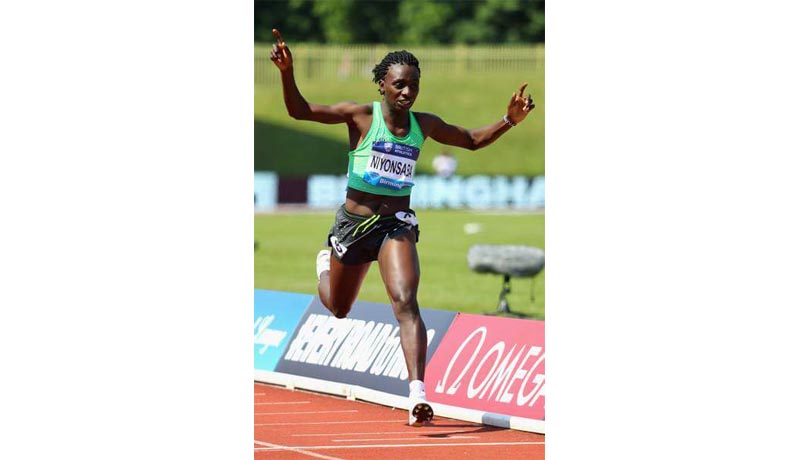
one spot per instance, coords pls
(339, 62)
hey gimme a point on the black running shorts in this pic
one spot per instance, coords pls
(358, 239)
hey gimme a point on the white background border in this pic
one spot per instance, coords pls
(126, 145)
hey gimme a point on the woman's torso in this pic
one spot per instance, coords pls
(364, 202)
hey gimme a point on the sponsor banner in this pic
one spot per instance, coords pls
(325, 191)
(493, 364)
(457, 192)
(362, 349)
(276, 315)
(265, 193)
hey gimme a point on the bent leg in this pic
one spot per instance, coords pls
(399, 266)
(339, 286)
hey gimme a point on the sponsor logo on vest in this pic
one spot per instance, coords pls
(506, 367)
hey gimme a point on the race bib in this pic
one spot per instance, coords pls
(391, 165)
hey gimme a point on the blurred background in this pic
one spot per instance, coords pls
(473, 54)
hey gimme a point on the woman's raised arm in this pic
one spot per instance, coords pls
(518, 108)
(296, 104)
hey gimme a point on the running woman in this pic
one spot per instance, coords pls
(375, 222)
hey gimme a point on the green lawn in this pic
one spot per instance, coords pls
(288, 244)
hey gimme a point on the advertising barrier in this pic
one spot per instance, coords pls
(430, 192)
(481, 369)
(362, 349)
(456, 192)
(492, 364)
(276, 315)
(265, 191)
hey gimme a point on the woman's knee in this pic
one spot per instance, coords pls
(405, 306)
(338, 308)
(341, 312)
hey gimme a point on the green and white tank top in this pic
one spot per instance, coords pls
(382, 163)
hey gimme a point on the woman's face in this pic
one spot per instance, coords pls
(400, 86)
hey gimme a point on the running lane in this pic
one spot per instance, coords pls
(299, 425)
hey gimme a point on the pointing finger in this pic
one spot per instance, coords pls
(278, 36)
(522, 89)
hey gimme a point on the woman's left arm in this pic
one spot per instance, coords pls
(473, 139)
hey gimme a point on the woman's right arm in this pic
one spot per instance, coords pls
(296, 104)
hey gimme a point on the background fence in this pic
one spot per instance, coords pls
(343, 62)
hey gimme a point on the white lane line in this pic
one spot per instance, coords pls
(405, 420)
(372, 433)
(308, 412)
(270, 446)
(403, 439)
(287, 402)
(463, 444)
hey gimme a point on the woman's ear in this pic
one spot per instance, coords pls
(380, 88)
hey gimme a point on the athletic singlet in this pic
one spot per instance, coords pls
(382, 163)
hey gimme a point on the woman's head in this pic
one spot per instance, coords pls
(397, 76)
(395, 57)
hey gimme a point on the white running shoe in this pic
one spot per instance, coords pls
(323, 262)
(419, 411)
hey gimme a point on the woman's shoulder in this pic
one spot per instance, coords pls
(356, 108)
(426, 117)
(426, 121)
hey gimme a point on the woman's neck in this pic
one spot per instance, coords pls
(398, 119)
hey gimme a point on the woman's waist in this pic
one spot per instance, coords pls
(366, 204)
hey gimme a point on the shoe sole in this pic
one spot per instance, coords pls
(422, 412)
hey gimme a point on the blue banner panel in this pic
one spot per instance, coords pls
(362, 349)
(277, 315)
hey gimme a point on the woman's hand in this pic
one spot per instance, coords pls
(520, 106)
(280, 53)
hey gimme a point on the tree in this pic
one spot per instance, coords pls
(425, 21)
(501, 21)
(294, 18)
(410, 22)
(358, 21)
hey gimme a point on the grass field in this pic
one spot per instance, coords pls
(293, 147)
(288, 244)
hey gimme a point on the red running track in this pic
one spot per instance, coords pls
(300, 425)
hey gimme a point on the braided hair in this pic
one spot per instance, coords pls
(395, 57)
